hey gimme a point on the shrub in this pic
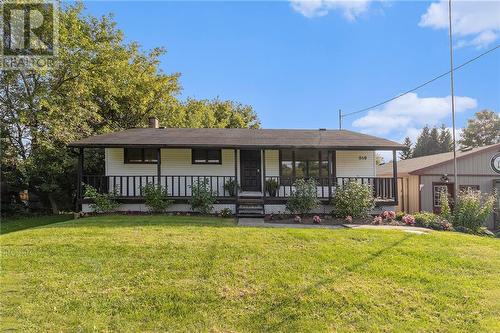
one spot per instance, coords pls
(202, 197)
(399, 216)
(472, 209)
(408, 219)
(225, 212)
(101, 202)
(303, 199)
(389, 215)
(272, 187)
(428, 220)
(353, 199)
(297, 219)
(377, 220)
(230, 186)
(445, 205)
(316, 219)
(156, 197)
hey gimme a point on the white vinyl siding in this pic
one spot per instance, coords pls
(355, 163)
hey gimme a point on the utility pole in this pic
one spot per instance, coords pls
(340, 119)
(455, 173)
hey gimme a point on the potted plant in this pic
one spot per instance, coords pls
(229, 186)
(272, 187)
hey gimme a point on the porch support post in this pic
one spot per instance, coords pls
(158, 166)
(395, 176)
(79, 187)
(236, 182)
(264, 172)
(329, 156)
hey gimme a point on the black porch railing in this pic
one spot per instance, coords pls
(177, 186)
(180, 186)
(383, 187)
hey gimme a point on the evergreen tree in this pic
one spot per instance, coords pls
(407, 152)
(422, 143)
(445, 139)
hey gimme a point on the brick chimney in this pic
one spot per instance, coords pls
(153, 122)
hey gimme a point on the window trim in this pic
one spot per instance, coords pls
(320, 160)
(206, 160)
(126, 161)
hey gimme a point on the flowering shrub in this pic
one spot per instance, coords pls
(472, 209)
(377, 220)
(297, 219)
(446, 226)
(101, 202)
(316, 219)
(348, 219)
(408, 219)
(399, 216)
(303, 198)
(352, 199)
(389, 215)
(202, 197)
(156, 197)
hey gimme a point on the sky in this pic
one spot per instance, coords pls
(298, 62)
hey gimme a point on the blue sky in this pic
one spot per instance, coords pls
(298, 62)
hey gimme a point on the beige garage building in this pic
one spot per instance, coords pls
(421, 179)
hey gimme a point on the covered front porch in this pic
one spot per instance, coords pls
(265, 173)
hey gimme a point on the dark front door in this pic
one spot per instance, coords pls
(250, 170)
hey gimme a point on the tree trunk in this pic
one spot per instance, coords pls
(53, 204)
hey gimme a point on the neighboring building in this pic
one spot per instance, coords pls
(179, 158)
(421, 179)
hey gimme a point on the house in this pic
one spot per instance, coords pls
(179, 158)
(422, 178)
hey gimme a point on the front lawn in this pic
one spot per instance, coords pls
(156, 273)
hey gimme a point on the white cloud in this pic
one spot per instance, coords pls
(313, 8)
(476, 23)
(410, 112)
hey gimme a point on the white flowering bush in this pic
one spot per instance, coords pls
(353, 199)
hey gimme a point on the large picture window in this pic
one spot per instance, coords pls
(140, 155)
(206, 156)
(304, 163)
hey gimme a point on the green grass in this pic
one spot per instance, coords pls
(15, 224)
(154, 273)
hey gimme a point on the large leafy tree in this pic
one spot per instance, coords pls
(482, 130)
(99, 84)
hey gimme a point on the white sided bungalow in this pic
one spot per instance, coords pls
(178, 158)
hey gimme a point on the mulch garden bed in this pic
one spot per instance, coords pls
(325, 220)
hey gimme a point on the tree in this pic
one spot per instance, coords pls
(482, 130)
(379, 159)
(433, 141)
(407, 152)
(445, 139)
(98, 84)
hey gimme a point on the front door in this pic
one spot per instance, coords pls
(250, 170)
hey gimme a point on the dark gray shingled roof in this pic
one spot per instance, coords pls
(237, 138)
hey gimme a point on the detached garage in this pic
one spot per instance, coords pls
(421, 179)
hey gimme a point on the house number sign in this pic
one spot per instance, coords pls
(495, 163)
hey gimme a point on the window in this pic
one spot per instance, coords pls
(206, 156)
(304, 163)
(469, 188)
(437, 193)
(140, 155)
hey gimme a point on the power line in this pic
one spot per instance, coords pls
(423, 84)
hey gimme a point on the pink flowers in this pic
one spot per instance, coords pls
(348, 219)
(408, 219)
(316, 219)
(389, 215)
(377, 220)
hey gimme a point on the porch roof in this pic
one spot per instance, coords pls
(238, 138)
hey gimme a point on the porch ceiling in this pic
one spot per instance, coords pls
(238, 138)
